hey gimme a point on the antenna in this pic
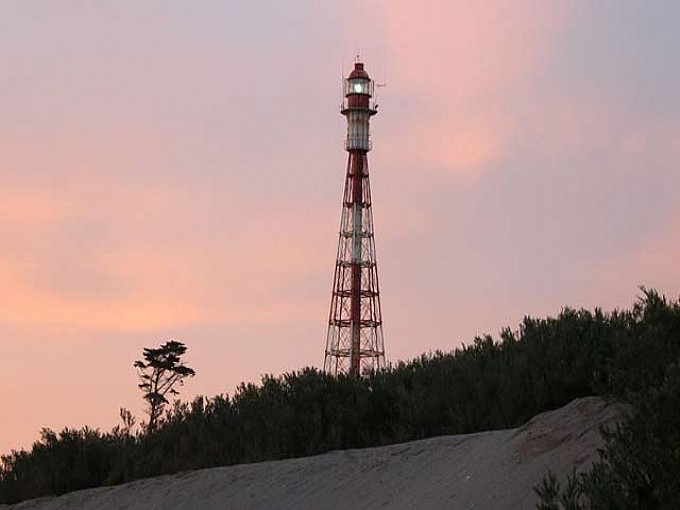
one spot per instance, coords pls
(384, 81)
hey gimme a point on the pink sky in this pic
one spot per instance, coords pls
(175, 171)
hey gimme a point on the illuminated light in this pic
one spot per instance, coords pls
(357, 87)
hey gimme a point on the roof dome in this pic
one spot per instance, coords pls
(358, 71)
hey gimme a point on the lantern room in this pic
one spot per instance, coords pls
(358, 108)
(359, 82)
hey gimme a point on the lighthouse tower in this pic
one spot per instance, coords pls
(354, 343)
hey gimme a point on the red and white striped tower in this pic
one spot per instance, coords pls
(354, 343)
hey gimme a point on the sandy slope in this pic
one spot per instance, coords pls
(488, 470)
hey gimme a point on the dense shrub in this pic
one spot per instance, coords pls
(485, 385)
(639, 466)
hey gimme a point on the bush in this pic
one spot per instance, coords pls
(639, 466)
(488, 384)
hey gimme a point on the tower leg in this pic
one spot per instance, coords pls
(355, 306)
(355, 338)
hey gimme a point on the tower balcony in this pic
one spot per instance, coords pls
(369, 107)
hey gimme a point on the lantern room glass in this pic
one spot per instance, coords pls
(359, 86)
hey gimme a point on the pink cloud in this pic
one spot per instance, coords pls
(166, 261)
(471, 49)
(462, 151)
(25, 303)
(25, 207)
(458, 68)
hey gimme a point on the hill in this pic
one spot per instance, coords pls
(491, 384)
(485, 470)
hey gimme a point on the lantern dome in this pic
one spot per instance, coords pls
(359, 72)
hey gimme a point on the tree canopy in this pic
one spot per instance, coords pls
(160, 372)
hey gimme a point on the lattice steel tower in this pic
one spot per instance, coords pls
(354, 342)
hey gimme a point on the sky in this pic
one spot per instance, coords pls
(174, 170)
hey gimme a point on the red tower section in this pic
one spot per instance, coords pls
(354, 342)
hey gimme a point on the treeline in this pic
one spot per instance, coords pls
(488, 384)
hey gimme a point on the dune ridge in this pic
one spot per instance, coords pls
(485, 470)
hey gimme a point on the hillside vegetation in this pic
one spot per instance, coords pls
(493, 470)
(490, 384)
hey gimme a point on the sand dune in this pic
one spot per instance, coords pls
(487, 470)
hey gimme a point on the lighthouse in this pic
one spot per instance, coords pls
(354, 342)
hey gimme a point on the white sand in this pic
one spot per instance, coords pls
(487, 470)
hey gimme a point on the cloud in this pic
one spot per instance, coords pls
(27, 301)
(470, 49)
(120, 258)
(461, 151)
(23, 207)
(457, 70)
